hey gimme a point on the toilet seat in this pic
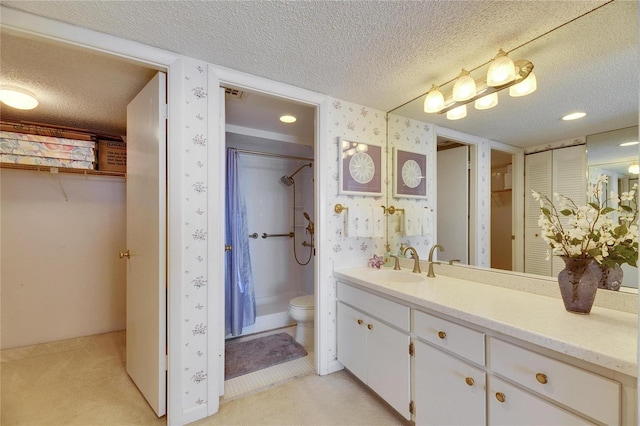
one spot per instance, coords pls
(303, 302)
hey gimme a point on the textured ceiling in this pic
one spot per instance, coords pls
(375, 53)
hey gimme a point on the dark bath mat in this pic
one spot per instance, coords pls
(253, 355)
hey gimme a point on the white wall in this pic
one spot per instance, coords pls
(61, 276)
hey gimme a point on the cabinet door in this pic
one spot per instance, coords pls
(388, 365)
(517, 407)
(352, 340)
(448, 391)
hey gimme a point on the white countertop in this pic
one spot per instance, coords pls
(605, 337)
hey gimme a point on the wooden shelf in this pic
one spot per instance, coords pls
(85, 172)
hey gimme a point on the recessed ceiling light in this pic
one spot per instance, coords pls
(629, 143)
(288, 119)
(16, 97)
(574, 116)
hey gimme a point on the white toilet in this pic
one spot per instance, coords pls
(302, 310)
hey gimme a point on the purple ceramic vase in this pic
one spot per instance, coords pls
(609, 278)
(577, 284)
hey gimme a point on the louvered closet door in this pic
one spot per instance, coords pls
(538, 177)
(569, 179)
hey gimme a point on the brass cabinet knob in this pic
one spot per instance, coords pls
(542, 378)
(126, 254)
(359, 322)
(442, 334)
(228, 248)
(469, 381)
(370, 326)
(500, 396)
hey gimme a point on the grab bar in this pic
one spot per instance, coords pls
(265, 235)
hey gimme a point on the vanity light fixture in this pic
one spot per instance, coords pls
(18, 98)
(487, 102)
(287, 118)
(574, 116)
(501, 71)
(634, 169)
(457, 113)
(434, 101)
(629, 143)
(525, 87)
(466, 89)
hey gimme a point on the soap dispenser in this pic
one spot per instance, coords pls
(387, 254)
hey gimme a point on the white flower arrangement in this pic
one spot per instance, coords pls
(592, 230)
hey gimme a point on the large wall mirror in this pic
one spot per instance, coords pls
(589, 64)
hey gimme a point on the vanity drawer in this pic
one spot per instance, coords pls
(581, 390)
(391, 312)
(460, 340)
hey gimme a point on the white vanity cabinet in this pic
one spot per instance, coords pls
(511, 406)
(373, 343)
(448, 389)
(591, 396)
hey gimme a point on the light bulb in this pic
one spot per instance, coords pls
(465, 87)
(525, 87)
(501, 71)
(18, 98)
(434, 101)
(457, 113)
(487, 102)
(288, 119)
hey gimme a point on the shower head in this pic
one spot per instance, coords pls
(288, 180)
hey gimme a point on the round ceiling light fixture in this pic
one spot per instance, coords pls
(18, 98)
(574, 116)
(288, 118)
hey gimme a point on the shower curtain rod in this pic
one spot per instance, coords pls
(269, 154)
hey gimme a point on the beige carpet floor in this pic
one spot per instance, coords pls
(83, 382)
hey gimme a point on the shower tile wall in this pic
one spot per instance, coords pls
(276, 274)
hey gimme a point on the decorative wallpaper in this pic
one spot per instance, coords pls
(195, 274)
(361, 124)
(415, 136)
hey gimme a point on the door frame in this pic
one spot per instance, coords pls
(218, 76)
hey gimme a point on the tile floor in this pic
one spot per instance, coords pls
(83, 382)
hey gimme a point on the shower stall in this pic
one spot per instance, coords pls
(279, 198)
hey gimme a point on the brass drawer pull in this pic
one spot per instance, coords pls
(359, 322)
(124, 254)
(500, 396)
(469, 381)
(442, 334)
(370, 326)
(542, 378)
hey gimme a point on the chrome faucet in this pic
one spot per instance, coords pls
(431, 274)
(416, 259)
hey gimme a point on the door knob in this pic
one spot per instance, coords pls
(126, 254)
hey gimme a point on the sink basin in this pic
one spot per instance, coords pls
(396, 276)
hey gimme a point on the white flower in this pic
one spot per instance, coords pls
(627, 196)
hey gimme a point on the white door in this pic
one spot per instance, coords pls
(453, 203)
(146, 242)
